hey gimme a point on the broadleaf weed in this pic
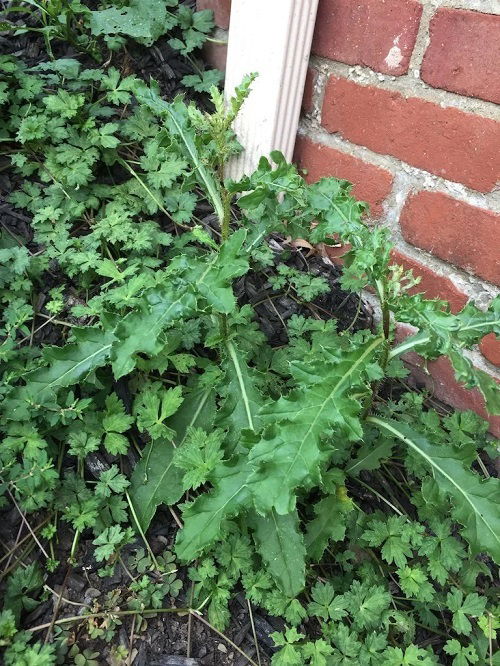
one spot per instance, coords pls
(278, 451)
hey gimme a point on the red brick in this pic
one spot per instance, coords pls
(431, 284)
(307, 98)
(371, 183)
(464, 53)
(454, 231)
(453, 144)
(220, 8)
(215, 55)
(490, 348)
(439, 378)
(378, 34)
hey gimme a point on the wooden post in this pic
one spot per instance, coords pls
(272, 38)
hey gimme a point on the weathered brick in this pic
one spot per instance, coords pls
(490, 348)
(454, 231)
(456, 145)
(443, 385)
(378, 34)
(220, 8)
(215, 55)
(307, 98)
(371, 183)
(464, 53)
(431, 284)
(439, 378)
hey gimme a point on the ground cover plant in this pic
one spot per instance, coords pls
(137, 375)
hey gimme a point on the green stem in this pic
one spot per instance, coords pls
(386, 331)
(111, 614)
(224, 329)
(224, 42)
(226, 218)
(74, 546)
(408, 345)
(381, 497)
(386, 321)
(141, 532)
(225, 227)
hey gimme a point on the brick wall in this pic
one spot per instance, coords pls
(214, 53)
(402, 100)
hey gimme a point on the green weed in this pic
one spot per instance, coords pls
(278, 449)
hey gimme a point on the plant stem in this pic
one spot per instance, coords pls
(386, 321)
(381, 497)
(219, 633)
(90, 616)
(217, 41)
(56, 321)
(254, 632)
(25, 538)
(226, 219)
(28, 526)
(386, 332)
(74, 546)
(140, 530)
(19, 560)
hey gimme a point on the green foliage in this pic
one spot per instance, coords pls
(7, 626)
(20, 587)
(281, 547)
(111, 24)
(20, 653)
(154, 481)
(396, 537)
(110, 541)
(364, 523)
(145, 22)
(308, 287)
(152, 410)
(84, 658)
(328, 524)
(461, 607)
(326, 604)
(475, 499)
(462, 655)
(199, 456)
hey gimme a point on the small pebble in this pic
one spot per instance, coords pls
(92, 593)
(76, 582)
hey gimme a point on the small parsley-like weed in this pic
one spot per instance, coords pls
(137, 374)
